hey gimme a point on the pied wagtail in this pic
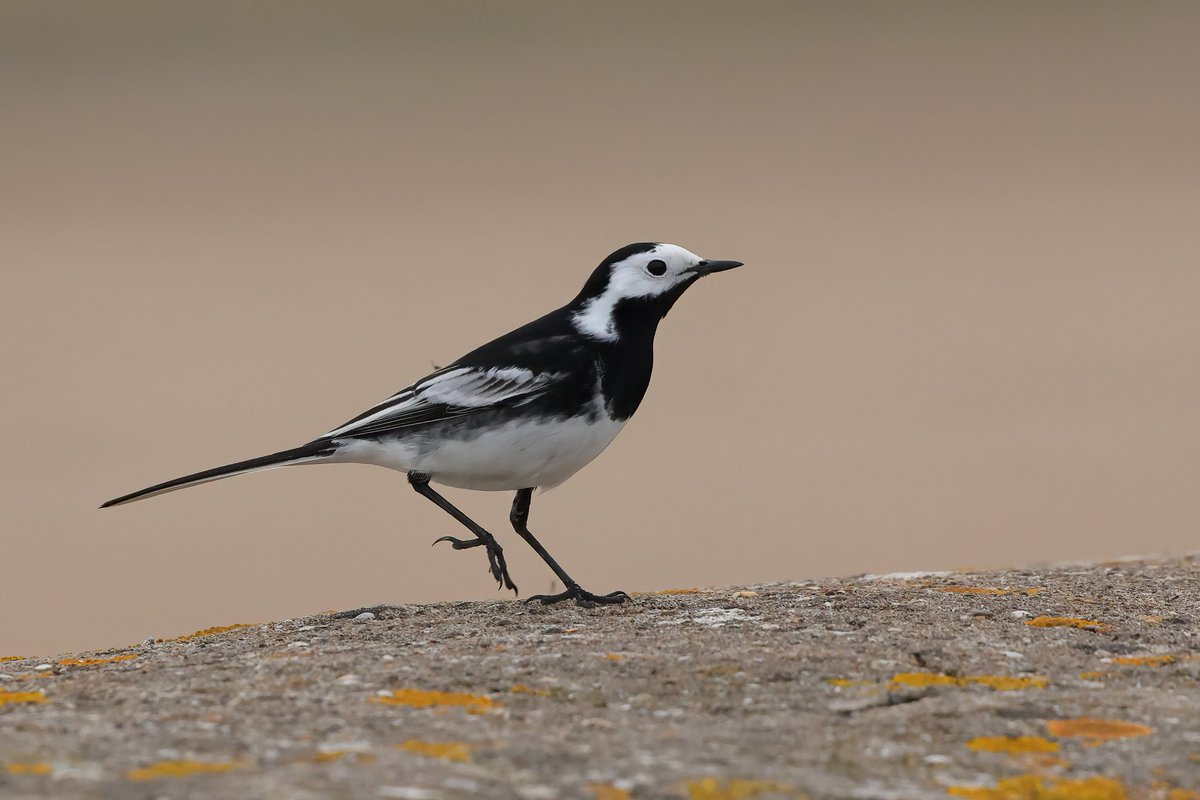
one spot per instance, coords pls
(523, 412)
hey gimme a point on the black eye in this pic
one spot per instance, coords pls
(657, 267)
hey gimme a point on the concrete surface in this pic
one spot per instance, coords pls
(1064, 682)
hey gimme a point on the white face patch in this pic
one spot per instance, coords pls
(635, 277)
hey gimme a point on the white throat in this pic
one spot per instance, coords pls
(596, 318)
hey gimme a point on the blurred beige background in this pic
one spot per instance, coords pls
(968, 332)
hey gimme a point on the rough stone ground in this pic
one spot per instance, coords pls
(903, 686)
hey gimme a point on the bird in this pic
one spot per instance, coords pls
(523, 412)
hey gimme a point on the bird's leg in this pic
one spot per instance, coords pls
(499, 570)
(519, 517)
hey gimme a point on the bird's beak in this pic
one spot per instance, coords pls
(707, 267)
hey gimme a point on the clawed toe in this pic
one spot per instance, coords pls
(460, 544)
(496, 564)
(581, 596)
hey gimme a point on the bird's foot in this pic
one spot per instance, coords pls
(496, 563)
(581, 596)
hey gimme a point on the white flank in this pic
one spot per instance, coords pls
(520, 454)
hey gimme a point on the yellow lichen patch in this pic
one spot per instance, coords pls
(736, 789)
(521, 688)
(1001, 683)
(615, 657)
(91, 662)
(12, 658)
(329, 756)
(606, 791)
(28, 769)
(419, 698)
(21, 697)
(181, 769)
(843, 683)
(1013, 744)
(1181, 794)
(211, 632)
(1096, 730)
(1036, 787)
(449, 751)
(1067, 622)
(1145, 661)
(28, 676)
(923, 679)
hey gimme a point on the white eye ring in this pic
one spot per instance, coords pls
(657, 268)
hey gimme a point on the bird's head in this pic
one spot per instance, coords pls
(637, 285)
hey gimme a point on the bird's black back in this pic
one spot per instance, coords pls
(553, 344)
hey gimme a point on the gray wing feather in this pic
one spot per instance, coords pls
(448, 393)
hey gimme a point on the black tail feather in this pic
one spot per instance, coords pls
(311, 451)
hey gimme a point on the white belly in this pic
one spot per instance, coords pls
(517, 455)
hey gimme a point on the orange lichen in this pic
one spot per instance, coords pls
(1013, 744)
(1145, 661)
(1092, 675)
(90, 662)
(736, 789)
(923, 679)
(1067, 622)
(521, 688)
(1037, 787)
(449, 751)
(28, 769)
(419, 698)
(181, 769)
(615, 657)
(28, 676)
(606, 791)
(1096, 731)
(1001, 683)
(843, 683)
(328, 756)
(12, 658)
(211, 632)
(21, 697)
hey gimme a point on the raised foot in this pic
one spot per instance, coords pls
(496, 563)
(581, 596)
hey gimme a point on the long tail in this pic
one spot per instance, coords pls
(313, 451)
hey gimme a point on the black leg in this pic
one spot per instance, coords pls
(499, 570)
(519, 516)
